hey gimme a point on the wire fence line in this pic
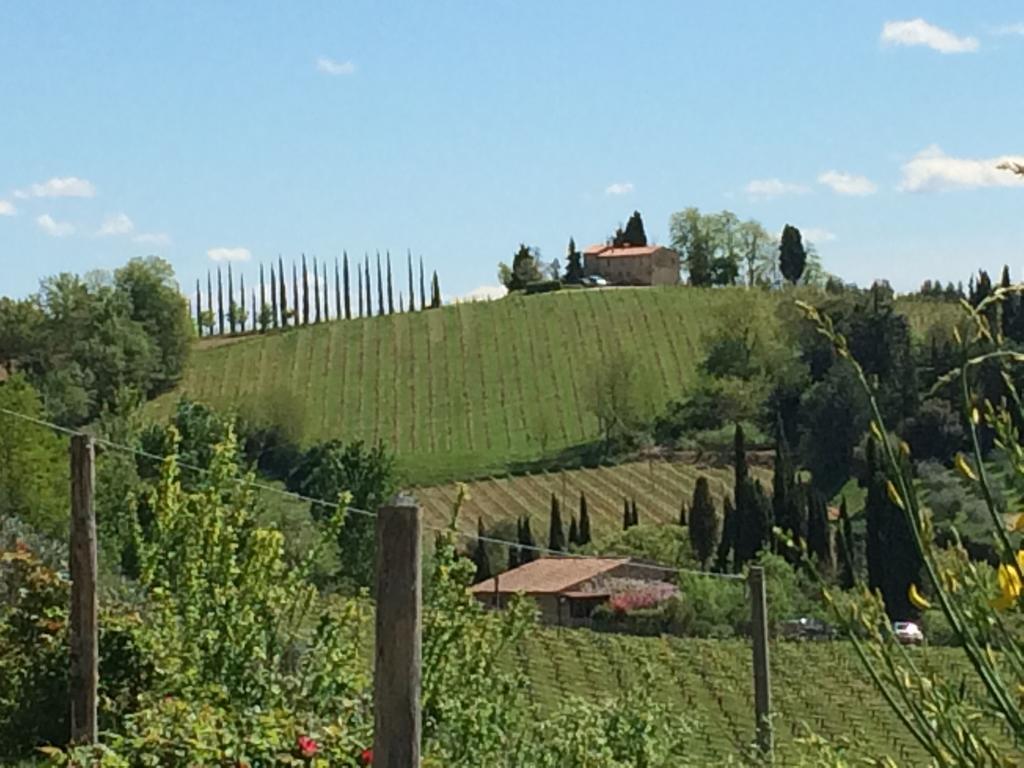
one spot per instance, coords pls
(298, 497)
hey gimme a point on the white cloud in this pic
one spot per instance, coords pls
(331, 67)
(1009, 29)
(920, 32)
(7, 208)
(847, 183)
(152, 238)
(817, 235)
(229, 254)
(54, 228)
(766, 189)
(482, 293)
(118, 224)
(932, 169)
(68, 186)
(619, 188)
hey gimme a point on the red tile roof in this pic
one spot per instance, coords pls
(611, 252)
(550, 575)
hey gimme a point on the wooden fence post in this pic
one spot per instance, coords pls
(762, 674)
(397, 663)
(84, 633)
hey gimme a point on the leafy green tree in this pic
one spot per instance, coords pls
(33, 462)
(792, 255)
(757, 250)
(556, 532)
(584, 535)
(705, 524)
(617, 395)
(328, 470)
(633, 235)
(266, 318)
(21, 323)
(573, 264)
(524, 269)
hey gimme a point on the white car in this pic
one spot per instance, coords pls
(907, 632)
(595, 280)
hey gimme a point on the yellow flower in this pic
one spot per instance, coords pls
(1018, 524)
(894, 495)
(965, 468)
(1010, 586)
(917, 599)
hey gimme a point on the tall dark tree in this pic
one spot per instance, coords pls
(326, 293)
(786, 497)
(318, 317)
(254, 314)
(199, 309)
(705, 523)
(792, 254)
(359, 289)
(209, 298)
(305, 292)
(368, 285)
(574, 532)
(634, 516)
(391, 290)
(283, 288)
(584, 520)
(295, 298)
(556, 533)
(337, 292)
(634, 234)
(723, 557)
(819, 541)
(220, 302)
(273, 295)
(847, 572)
(423, 287)
(573, 264)
(435, 292)
(401, 302)
(263, 289)
(527, 544)
(231, 301)
(380, 288)
(241, 302)
(627, 515)
(753, 507)
(345, 280)
(480, 558)
(412, 290)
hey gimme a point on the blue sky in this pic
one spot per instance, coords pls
(458, 130)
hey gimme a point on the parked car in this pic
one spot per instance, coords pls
(907, 632)
(594, 280)
(806, 628)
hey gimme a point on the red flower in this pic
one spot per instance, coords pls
(366, 757)
(307, 746)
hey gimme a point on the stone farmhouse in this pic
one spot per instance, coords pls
(632, 265)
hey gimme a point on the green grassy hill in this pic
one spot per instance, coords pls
(474, 389)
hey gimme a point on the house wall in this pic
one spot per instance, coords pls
(659, 268)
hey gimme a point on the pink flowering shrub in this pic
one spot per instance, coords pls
(644, 594)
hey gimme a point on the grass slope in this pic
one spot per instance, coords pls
(474, 389)
(658, 486)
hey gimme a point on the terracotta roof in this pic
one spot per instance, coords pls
(610, 252)
(549, 575)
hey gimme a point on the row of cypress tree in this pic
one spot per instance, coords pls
(307, 299)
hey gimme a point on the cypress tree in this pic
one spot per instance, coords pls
(792, 255)
(435, 292)
(574, 532)
(209, 297)
(263, 289)
(295, 296)
(348, 297)
(199, 309)
(326, 294)
(241, 301)
(705, 523)
(337, 291)
(368, 285)
(627, 516)
(528, 552)
(273, 295)
(847, 574)
(728, 541)
(573, 264)
(875, 510)
(220, 302)
(401, 303)
(513, 557)
(305, 292)
(359, 291)
(412, 290)
(423, 288)
(231, 301)
(584, 520)
(380, 289)
(634, 516)
(284, 292)
(556, 533)
(818, 540)
(480, 558)
(391, 292)
(255, 320)
(316, 292)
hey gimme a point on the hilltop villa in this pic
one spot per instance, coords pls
(632, 265)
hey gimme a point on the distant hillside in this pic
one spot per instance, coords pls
(474, 389)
